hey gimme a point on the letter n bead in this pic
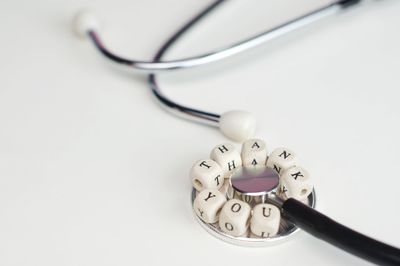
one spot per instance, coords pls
(206, 174)
(254, 153)
(295, 183)
(207, 205)
(265, 220)
(234, 217)
(281, 159)
(227, 157)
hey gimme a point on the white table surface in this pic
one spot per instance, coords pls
(92, 172)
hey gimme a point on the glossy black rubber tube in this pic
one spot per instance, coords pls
(339, 235)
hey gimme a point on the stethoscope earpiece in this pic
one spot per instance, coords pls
(84, 22)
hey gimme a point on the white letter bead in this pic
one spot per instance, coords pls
(254, 153)
(227, 157)
(265, 220)
(234, 217)
(208, 203)
(225, 186)
(281, 159)
(295, 183)
(206, 174)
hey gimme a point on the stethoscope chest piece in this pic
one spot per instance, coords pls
(236, 196)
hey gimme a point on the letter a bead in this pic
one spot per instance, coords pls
(281, 159)
(295, 183)
(265, 220)
(206, 174)
(227, 157)
(207, 205)
(254, 153)
(234, 217)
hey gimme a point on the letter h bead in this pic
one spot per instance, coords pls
(227, 157)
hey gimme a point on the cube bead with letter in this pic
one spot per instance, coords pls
(207, 205)
(234, 217)
(265, 220)
(281, 159)
(295, 183)
(254, 153)
(227, 157)
(206, 174)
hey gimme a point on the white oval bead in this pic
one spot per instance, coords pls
(85, 21)
(237, 125)
(254, 153)
(206, 174)
(207, 205)
(227, 157)
(296, 183)
(265, 220)
(234, 217)
(281, 159)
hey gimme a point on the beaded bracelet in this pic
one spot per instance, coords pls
(233, 193)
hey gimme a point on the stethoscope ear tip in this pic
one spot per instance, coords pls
(238, 125)
(84, 21)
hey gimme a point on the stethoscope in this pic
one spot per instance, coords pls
(240, 126)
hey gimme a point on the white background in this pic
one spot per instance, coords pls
(92, 172)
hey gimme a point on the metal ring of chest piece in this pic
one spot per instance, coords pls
(252, 181)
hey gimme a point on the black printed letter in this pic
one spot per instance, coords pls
(201, 212)
(296, 175)
(285, 154)
(217, 179)
(236, 207)
(203, 163)
(269, 212)
(231, 165)
(229, 226)
(222, 149)
(255, 145)
(210, 195)
(278, 169)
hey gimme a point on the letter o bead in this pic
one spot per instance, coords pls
(206, 174)
(234, 217)
(281, 159)
(254, 153)
(295, 183)
(207, 205)
(265, 220)
(227, 157)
